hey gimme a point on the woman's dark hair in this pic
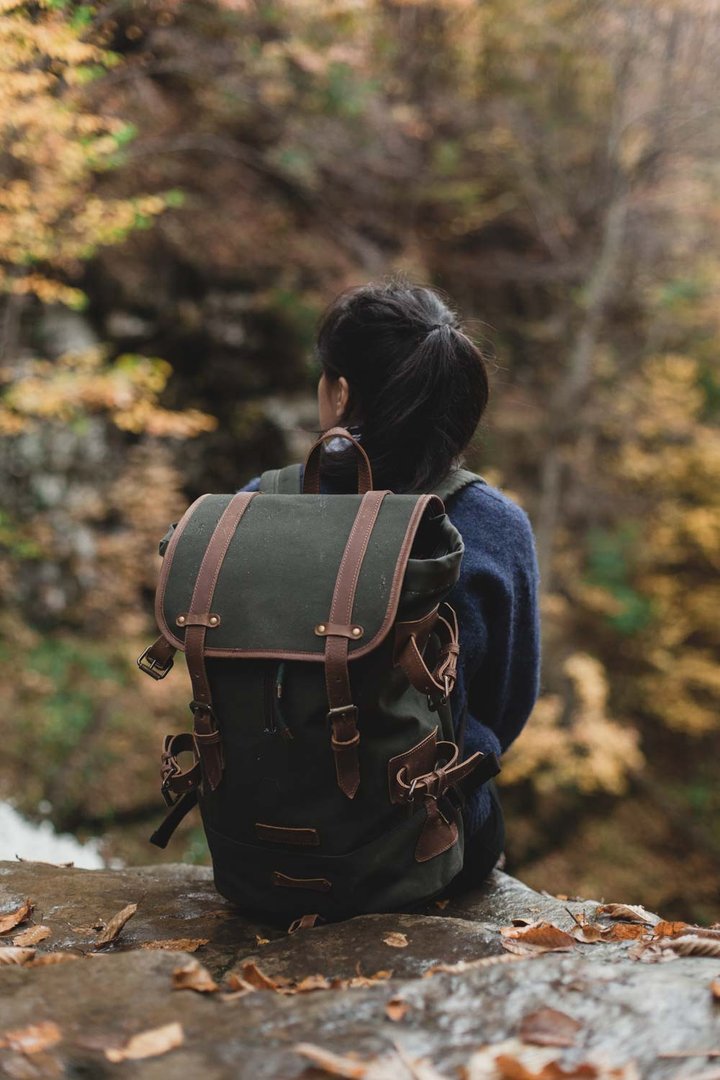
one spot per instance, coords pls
(418, 384)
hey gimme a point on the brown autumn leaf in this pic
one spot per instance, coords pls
(626, 932)
(45, 959)
(442, 904)
(16, 954)
(13, 918)
(113, 928)
(335, 1064)
(32, 936)
(396, 940)
(175, 944)
(629, 912)
(394, 1066)
(540, 937)
(549, 1027)
(691, 945)
(715, 989)
(193, 976)
(671, 929)
(360, 981)
(651, 952)
(396, 1009)
(148, 1044)
(261, 940)
(306, 985)
(468, 965)
(252, 975)
(32, 1039)
(584, 930)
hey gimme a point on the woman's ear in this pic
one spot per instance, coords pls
(342, 399)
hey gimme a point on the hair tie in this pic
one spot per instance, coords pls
(437, 326)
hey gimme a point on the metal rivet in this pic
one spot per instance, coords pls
(320, 628)
(213, 620)
(181, 620)
(356, 631)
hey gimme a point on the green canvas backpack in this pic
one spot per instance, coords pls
(322, 656)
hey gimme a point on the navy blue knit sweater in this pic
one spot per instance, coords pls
(496, 600)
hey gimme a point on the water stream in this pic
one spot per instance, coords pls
(24, 839)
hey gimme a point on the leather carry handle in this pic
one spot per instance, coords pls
(311, 482)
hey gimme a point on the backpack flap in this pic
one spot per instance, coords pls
(275, 584)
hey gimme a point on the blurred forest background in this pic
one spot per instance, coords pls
(186, 185)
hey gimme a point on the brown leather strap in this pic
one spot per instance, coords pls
(176, 781)
(207, 736)
(436, 782)
(178, 811)
(157, 659)
(311, 478)
(442, 680)
(343, 714)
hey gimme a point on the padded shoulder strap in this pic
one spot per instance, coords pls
(282, 481)
(455, 481)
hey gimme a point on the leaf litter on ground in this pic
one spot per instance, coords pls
(32, 1039)
(10, 919)
(549, 1027)
(392, 1066)
(146, 1044)
(32, 936)
(192, 975)
(113, 928)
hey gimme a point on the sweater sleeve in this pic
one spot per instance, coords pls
(500, 597)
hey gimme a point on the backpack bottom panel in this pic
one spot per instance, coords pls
(382, 875)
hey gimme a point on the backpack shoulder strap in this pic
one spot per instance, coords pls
(282, 481)
(455, 481)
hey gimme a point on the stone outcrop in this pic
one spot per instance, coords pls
(627, 1013)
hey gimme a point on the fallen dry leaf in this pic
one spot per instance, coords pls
(671, 929)
(396, 1009)
(394, 1066)
(148, 1044)
(261, 940)
(359, 981)
(45, 959)
(396, 940)
(629, 912)
(193, 976)
(468, 965)
(584, 930)
(176, 944)
(626, 931)
(252, 975)
(715, 989)
(549, 1027)
(13, 918)
(441, 904)
(514, 1060)
(32, 1039)
(309, 983)
(651, 952)
(691, 945)
(542, 937)
(32, 936)
(335, 1064)
(113, 928)
(16, 954)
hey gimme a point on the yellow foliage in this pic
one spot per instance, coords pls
(575, 743)
(50, 218)
(78, 385)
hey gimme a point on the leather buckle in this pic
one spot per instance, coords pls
(350, 711)
(153, 667)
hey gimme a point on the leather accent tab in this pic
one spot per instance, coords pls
(287, 834)
(438, 835)
(318, 884)
(414, 762)
(311, 476)
(336, 630)
(208, 619)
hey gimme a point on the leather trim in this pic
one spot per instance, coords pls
(418, 760)
(439, 833)
(422, 505)
(208, 619)
(316, 884)
(420, 629)
(287, 834)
